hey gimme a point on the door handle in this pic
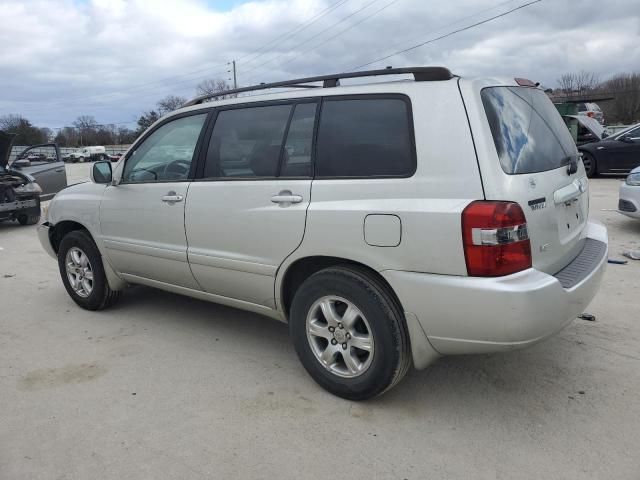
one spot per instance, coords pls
(172, 198)
(285, 197)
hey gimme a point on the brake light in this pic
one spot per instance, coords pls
(591, 114)
(495, 239)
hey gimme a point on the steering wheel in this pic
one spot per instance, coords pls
(176, 170)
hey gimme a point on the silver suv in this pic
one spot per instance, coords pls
(388, 223)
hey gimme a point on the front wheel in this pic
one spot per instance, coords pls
(82, 272)
(28, 219)
(349, 333)
(589, 164)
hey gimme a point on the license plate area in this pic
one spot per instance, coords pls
(18, 205)
(571, 218)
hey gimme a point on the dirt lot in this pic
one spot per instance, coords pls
(166, 387)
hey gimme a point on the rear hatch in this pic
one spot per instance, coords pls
(534, 162)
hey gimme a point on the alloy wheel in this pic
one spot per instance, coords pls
(340, 336)
(79, 272)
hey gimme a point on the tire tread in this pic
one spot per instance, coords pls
(108, 296)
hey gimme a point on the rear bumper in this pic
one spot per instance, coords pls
(463, 315)
(629, 203)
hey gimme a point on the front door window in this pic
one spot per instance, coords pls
(166, 155)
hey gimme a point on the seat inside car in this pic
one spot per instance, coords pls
(264, 160)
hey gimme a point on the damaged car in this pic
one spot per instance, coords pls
(602, 154)
(28, 180)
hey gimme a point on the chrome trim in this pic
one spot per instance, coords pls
(500, 236)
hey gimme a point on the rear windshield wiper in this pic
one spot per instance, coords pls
(572, 163)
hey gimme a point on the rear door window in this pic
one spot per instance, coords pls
(299, 144)
(368, 137)
(528, 132)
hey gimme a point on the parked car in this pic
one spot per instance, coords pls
(448, 216)
(629, 202)
(114, 157)
(617, 154)
(19, 191)
(87, 154)
(589, 129)
(46, 168)
(591, 110)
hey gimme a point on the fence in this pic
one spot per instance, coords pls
(109, 149)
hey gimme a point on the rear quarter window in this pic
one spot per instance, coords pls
(528, 132)
(368, 137)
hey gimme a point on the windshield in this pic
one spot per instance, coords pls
(528, 132)
(622, 133)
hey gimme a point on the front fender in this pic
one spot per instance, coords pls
(81, 204)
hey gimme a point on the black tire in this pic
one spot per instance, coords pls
(391, 354)
(101, 295)
(28, 219)
(589, 162)
(81, 160)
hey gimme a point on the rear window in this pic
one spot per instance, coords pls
(368, 137)
(528, 132)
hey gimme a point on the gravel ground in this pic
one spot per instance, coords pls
(167, 387)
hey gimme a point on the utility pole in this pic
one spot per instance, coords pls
(235, 81)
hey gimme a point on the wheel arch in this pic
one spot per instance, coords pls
(291, 276)
(593, 157)
(58, 231)
(295, 273)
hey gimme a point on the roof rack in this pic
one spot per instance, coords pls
(420, 74)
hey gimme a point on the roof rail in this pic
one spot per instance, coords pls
(420, 74)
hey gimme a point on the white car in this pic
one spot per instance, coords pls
(388, 223)
(592, 110)
(629, 202)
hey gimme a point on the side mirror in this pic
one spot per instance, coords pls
(23, 162)
(626, 139)
(101, 172)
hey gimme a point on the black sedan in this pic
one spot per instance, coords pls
(619, 153)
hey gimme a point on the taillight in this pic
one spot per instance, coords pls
(495, 238)
(591, 114)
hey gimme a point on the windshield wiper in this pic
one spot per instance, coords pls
(572, 163)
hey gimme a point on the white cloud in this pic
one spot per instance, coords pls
(114, 58)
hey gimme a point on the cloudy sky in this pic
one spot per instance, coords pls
(115, 58)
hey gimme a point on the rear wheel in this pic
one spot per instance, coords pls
(82, 272)
(81, 159)
(349, 333)
(28, 219)
(589, 164)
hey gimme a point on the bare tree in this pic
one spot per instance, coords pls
(85, 123)
(578, 82)
(625, 106)
(26, 133)
(170, 103)
(86, 126)
(212, 86)
(10, 122)
(47, 133)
